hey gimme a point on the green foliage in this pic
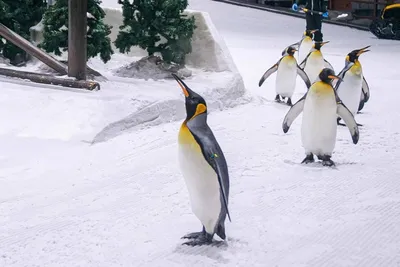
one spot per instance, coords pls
(147, 22)
(56, 30)
(19, 16)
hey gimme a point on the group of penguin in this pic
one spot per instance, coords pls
(329, 98)
(202, 162)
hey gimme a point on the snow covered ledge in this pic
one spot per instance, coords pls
(215, 77)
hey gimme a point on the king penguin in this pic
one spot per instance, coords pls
(304, 45)
(204, 169)
(315, 62)
(320, 106)
(285, 82)
(353, 90)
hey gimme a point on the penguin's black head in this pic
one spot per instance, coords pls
(195, 104)
(310, 33)
(327, 75)
(318, 45)
(291, 50)
(353, 55)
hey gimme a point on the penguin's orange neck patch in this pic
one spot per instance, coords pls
(201, 108)
(316, 54)
(356, 68)
(186, 138)
(290, 60)
(321, 88)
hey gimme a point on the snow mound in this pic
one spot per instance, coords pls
(225, 91)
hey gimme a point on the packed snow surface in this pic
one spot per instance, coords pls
(123, 202)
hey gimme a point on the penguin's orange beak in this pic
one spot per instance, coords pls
(185, 89)
(324, 43)
(334, 77)
(312, 31)
(363, 50)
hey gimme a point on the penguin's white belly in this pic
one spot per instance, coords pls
(318, 130)
(285, 83)
(202, 184)
(304, 49)
(313, 67)
(350, 91)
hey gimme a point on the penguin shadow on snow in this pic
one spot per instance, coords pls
(318, 164)
(213, 251)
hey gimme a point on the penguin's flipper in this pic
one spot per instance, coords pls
(303, 63)
(348, 118)
(341, 75)
(304, 76)
(212, 153)
(328, 65)
(293, 113)
(362, 101)
(268, 73)
(365, 89)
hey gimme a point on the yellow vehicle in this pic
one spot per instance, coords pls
(387, 25)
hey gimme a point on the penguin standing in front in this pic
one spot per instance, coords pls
(287, 71)
(352, 90)
(315, 62)
(204, 169)
(320, 106)
(304, 45)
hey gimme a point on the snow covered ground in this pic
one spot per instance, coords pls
(123, 202)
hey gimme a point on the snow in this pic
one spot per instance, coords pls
(90, 16)
(342, 15)
(123, 202)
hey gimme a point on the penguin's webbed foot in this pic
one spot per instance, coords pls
(338, 122)
(195, 235)
(326, 161)
(203, 239)
(278, 98)
(308, 159)
(359, 124)
(289, 102)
